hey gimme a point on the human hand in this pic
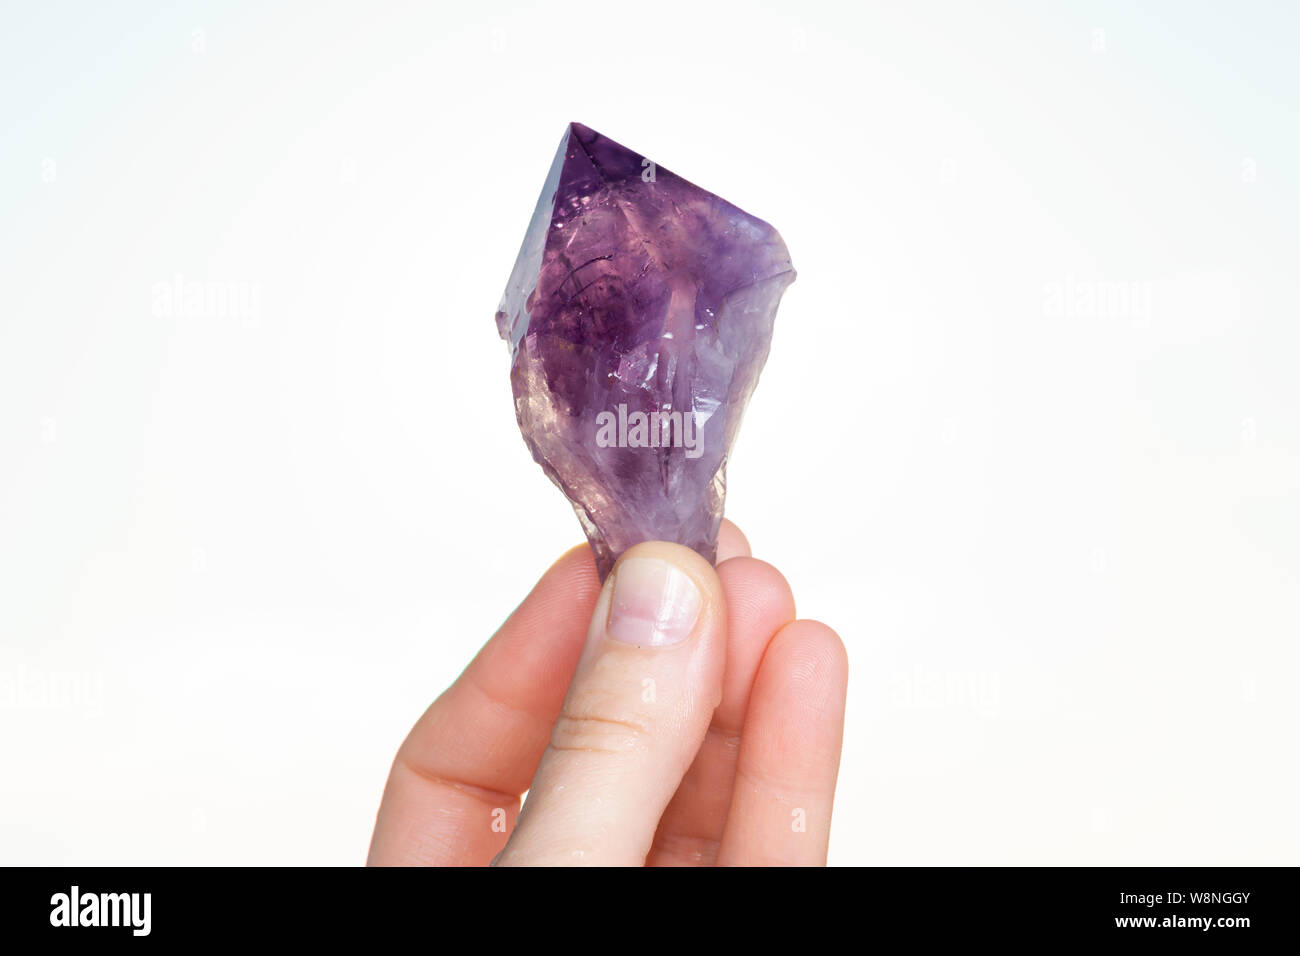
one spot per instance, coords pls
(679, 715)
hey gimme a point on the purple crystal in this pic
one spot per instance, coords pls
(639, 315)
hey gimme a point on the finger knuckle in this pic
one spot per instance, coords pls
(597, 733)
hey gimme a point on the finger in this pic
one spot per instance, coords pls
(759, 603)
(732, 542)
(790, 752)
(646, 685)
(453, 791)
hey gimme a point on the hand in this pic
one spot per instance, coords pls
(701, 725)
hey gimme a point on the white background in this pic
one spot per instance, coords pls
(1028, 437)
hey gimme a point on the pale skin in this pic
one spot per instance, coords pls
(710, 738)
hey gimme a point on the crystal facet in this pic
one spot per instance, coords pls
(639, 315)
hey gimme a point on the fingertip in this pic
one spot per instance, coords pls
(576, 568)
(531, 657)
(732, 542)
(760, 590)
(810, 661)
(684, 559)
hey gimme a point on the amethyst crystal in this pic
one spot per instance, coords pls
(639, 314)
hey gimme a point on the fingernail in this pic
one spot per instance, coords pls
(654, 603)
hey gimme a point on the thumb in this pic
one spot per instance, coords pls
(637, 710)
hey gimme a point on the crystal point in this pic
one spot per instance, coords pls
(639, 314)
